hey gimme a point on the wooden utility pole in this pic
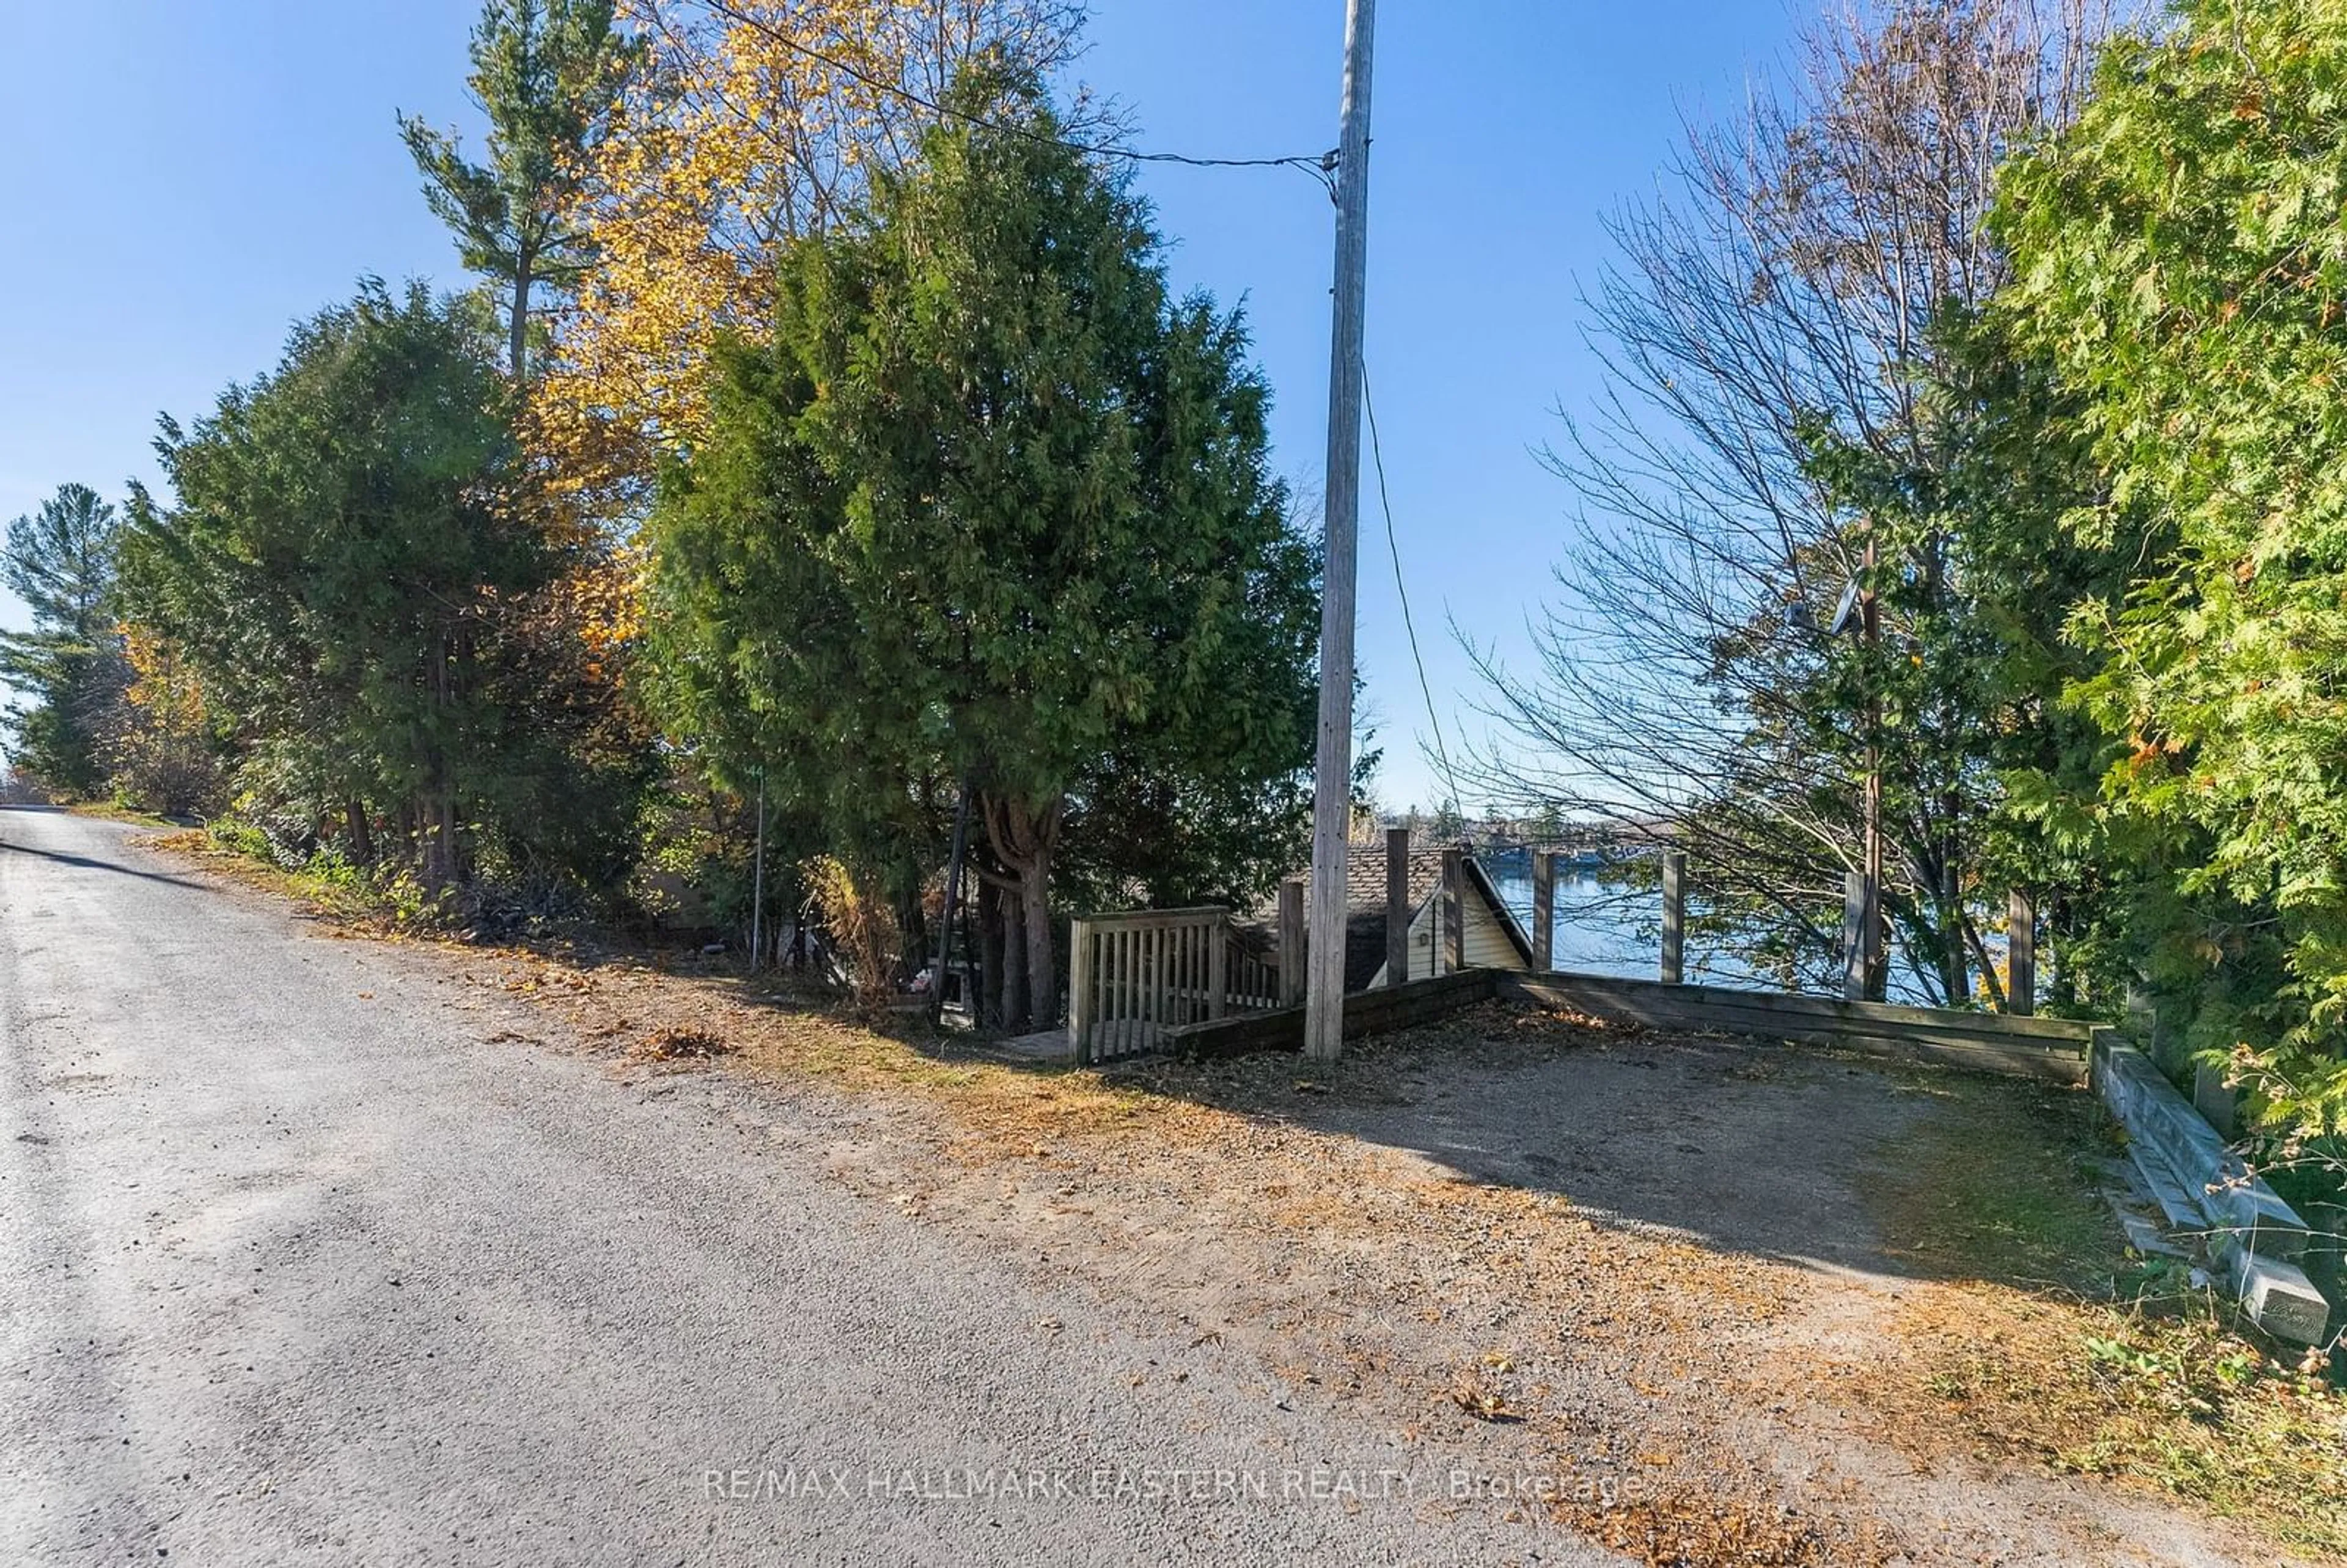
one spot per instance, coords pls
(1332, 781)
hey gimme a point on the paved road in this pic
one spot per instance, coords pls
(297, 1265)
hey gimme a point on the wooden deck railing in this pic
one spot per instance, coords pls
(1134, 975)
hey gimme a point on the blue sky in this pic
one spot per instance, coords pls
(187, 179)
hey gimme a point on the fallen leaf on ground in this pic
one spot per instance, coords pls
(675, 1044)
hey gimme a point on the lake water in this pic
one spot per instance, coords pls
(1604, 929)
(1601, 929)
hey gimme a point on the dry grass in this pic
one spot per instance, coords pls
(1726, 1522)
(2170, 1401)
(2030, 1356)
(349, 905)
(1995, 1186)
(108, 811)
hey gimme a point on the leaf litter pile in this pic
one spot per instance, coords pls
(674, 1043)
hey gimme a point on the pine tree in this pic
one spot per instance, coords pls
(545, 73)
(61, 561)
(337, 568)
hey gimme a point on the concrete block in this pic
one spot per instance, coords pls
(2147, 1238)
(2167, 1135)
(2176, 1200)
(2220, 1105)
(2249, 1230)
(2240, 1203)
(2279, 1298)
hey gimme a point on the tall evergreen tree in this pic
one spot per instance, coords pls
(992, 508)
(338, 565)
(545, 73)
(59, 560)
(2179, 263)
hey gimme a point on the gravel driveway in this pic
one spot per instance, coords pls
(299, 1265)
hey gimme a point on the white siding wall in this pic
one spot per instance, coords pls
(1487, 944)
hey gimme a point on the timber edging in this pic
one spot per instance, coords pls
(2050, 1050)
(2054, 1049)
(1379, 1011)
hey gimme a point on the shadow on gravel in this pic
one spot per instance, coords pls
(1830, 1160)
(1833, 1162)
(87, 862)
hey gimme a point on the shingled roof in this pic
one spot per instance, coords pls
(1365, 906)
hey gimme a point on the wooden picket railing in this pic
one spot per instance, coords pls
(1134, 975)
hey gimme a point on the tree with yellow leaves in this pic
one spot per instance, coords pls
(162, 754)
(747, 124)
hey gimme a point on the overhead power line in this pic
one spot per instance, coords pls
(1393, 547)
(1321, 167)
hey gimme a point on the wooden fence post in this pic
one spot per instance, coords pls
(1854, 942)
(1454, 929)
(1543, 910)
(1674, 917)
(1218, 952)
(1291, 942)
(2020, 946)
(1080, 991)
(1396, 906)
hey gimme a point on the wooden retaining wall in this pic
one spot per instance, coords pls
(2052, 1049)
(1379, 1011)
(2046, 1047)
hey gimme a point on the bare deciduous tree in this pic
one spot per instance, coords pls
(1783, 293)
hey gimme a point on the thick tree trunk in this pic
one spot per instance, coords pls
(989, 955)
(1024, 840)
(1042, 960)
(1951, 935)
(354, 827)
(437, 814)
(1014, 960)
